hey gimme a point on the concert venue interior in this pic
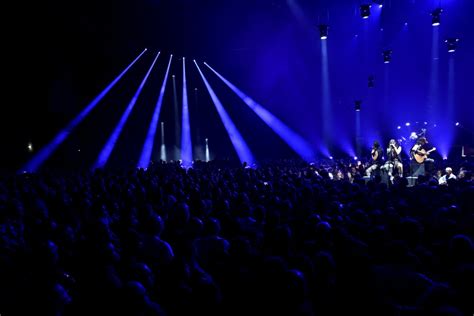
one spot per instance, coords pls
(228, 157)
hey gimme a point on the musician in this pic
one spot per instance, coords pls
(419, 156)
(394, 160)
(421, 148)
(376, 158)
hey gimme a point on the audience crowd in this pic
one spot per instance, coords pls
(285, 238)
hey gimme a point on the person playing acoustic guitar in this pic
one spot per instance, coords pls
(376, 158)
(419, 155)
(419, 152)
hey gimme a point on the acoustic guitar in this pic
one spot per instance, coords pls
(375, 154)
(421, 154)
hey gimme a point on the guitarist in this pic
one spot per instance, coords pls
(420, 151)
(375, 158)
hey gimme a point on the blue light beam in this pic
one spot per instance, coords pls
(208, 156)
(446, 134)
(186, 145)
(176, 120)
(109, 146)
(295, 141)
(434, 78)
(326, 95)
(243, 151)
(358, 134)
(150, 138)
(50, 148)
(163, 146)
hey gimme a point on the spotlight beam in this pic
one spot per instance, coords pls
(243, 151)
(326, 95)
(150, 138)
(446, 138)
(358, 134)
(176, 118)
(295, 141)
(299, 13)
(50, 148)
(109, 146)
(163, 146)
(434, 77)
(208, 156)
(186, 145)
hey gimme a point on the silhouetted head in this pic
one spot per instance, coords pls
(422, 141)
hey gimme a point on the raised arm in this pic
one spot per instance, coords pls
(398, 150)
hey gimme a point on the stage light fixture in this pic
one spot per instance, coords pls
(407, 124)
(365, 11)
(357, 105)
(323, 31)
(436, 17)
(399, 127)
(457, 124)
(452, 44)
(387, 56)
(371, 81)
